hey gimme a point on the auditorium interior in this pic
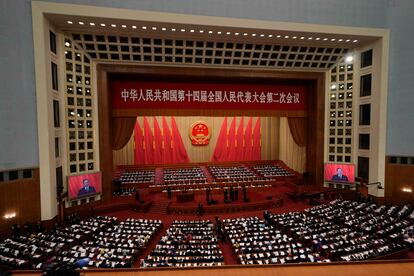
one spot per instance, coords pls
(263, 137)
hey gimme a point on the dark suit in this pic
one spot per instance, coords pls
(84, 191)
(339, 178)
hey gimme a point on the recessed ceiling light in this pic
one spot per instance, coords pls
(218, 32)
(349, 59)
(333, 86)
(69, 22)
(245, 34)
(228, 33)
(236, 33)
(67, 44)
(113, 25)
(191, 31)
(154, 28)
(253, 34)
(270, 35)
(183, 30)
(278, 36)
(318, 38)
(92, 24)
(210, 32)
(144, 27)
(347, 40)
(201, 31)
(302, 37)
(294, 37)
(163, 29)
(134, 27)
(123, 26)
(340, 40)
(310, 38)
(81, 23)
(333, 39)
(103, 24)
(286, 36)
(261, 35)
(355, 40)
(173, 29)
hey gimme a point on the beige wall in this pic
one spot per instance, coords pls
(276, 140)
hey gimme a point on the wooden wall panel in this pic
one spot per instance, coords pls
(397, 177)
(21, 197)
(269, 134)
(293, 155)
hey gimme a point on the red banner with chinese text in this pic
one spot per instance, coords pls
(179, 95)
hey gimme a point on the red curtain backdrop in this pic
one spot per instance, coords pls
(166, 134)
(239, 141)
(297, 127)
(231, 141)
(248, 141)
(122, 128)
(148, 143)
(158, 150)
(139, 143)
(179, 151)
(220, 151)
(256, 154)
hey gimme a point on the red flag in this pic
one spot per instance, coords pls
(179, 151)
(257, 152)
(231, 138)
(157, 143)
(139, 151)
(248, 141)
(148, 145)
(239, 140)
(167, 152)
(220, 151)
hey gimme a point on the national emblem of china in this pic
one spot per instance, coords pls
(199, 133)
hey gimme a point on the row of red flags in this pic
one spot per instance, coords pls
(237, 145)
(159, 147)
(166, 146)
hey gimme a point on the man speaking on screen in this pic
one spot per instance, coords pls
(339, 176)
(86, 189)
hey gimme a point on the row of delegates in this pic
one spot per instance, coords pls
(271, 171)
(37, 250)
(137, 176)
(123, 191)
(116, 246)
(222, 173)
(194, 174)
(213, 187)
(186, 243)
(255, 242)
(344, 230)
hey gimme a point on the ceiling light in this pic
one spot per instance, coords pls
(191, 31)
(164, 29)
(325, 39)
(92, 24)
(333, 39)
(407, 190)
(286, 36)
(278, 36)
(318, 38)
(210, 32)
(310, 38)
(113, 25)
(270, 36)
(134, 27)
(183, 30)
(123, 26)
(67, 44)
(347, 40)
(201, 31)
(228, 33)
(355, 40)
(81, 23)
(253, 34)
(333, 86)
(69, 22)
(236, 33)
(218, 32)
(245, 34)
(144, 27)
(103, 24)
(173, 29)
(349, 59)
(294, 37)
(302, 37)
(262, 35)
(340, 39)
(154, 28)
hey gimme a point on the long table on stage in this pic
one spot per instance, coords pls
(185, 197)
